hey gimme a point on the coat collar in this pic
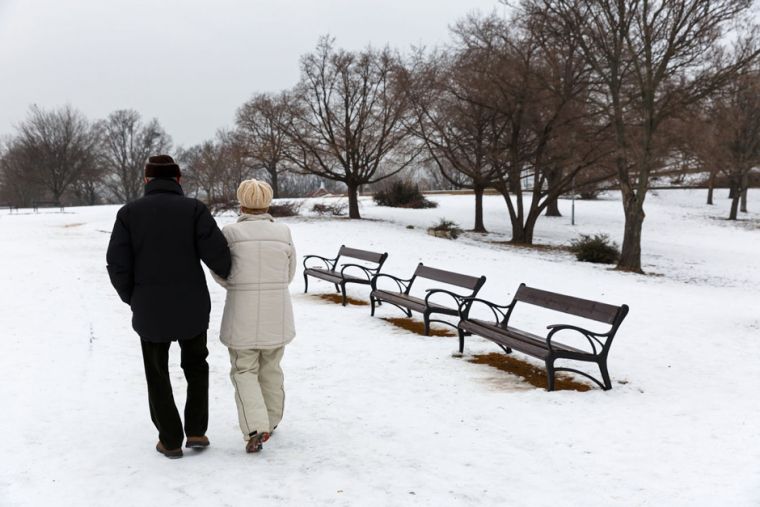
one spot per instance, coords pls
(163, 185)
(245, 217)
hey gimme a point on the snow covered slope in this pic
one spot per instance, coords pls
(379, 416)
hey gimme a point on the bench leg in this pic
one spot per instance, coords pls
(372, 306)
(550, 374)
(426, 318)
(305, 283)
(605, 375)
(343, 292)
(337, 288)
(461, 341)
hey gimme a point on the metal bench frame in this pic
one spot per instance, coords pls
(377, 296)
(341, 278)
(509, 338)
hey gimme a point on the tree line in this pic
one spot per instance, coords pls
(560, 96)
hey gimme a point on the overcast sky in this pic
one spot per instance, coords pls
(189, 63)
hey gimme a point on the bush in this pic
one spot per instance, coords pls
(445, 229)
(596, 248)
(402, 194)
(335, 209)
(285, 208)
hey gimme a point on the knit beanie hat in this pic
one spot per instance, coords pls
(254, 194)
(162, 166)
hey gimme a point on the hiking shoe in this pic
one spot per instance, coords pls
(197, 443)
(169, 453)
(255, 442)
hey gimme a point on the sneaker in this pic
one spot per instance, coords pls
(169, 453)
(197, 443)
(255, 442)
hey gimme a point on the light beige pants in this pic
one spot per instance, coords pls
(259, 391)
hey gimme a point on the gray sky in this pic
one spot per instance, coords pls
(188, 63)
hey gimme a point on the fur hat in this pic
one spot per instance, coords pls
(162, 166)
(254, 194)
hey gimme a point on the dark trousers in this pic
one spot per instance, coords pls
(163, 411)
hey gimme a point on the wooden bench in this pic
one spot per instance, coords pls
(547, 348)
(330, 272)
(408, 303)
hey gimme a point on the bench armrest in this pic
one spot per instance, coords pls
(367, 271)
(591, 336)
(400, 282)
(323, 259)
(499, 311)
(431, 292)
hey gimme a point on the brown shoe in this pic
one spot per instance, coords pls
(169, 453)
(197, 443)
(255, 442)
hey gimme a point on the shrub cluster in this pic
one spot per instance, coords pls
(285, 208)
(445, 229)
(402, 194)
(596, 248)
(336, 209)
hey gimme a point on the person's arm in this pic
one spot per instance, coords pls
(293, 260)
(120, 258)
(218, 279)
(211, 243)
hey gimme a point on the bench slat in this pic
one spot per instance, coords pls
(440, 275)
(364, 255)
(585, 308)
(411, 302)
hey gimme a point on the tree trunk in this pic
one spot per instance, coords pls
(353, 201)
(630, 253)
(273, 179)
(479, 226)
(735, 194)
(710, 187)
(552, 206)
(745, 188)
(522, 233)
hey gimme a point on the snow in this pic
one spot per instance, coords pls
(378, 416)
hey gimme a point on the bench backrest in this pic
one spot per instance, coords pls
(364, 255)
(593, 310)
(439, 275)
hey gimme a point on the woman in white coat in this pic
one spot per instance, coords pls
(258, 314)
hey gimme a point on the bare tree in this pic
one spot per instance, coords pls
(347, 118)
(651, 59)
(457, 129)
(260, 123)
(16, 187)
(125, 145)
(215, 168)
(730, 140)
(55, 147)
(544, 134)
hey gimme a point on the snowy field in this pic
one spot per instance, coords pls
(376, 416)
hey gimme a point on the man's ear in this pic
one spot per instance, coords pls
(179, 178)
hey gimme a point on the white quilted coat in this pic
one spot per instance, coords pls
(258, 313)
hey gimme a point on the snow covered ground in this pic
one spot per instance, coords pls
(379, 416)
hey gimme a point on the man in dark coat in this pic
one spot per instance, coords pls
(153, 259)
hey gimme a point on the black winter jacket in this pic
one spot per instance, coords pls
(154, 258)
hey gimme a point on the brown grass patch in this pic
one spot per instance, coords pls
(337, 298)
(72, 225)
(416, 326)
(534, 375)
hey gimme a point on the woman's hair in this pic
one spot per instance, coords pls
(251, 211)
